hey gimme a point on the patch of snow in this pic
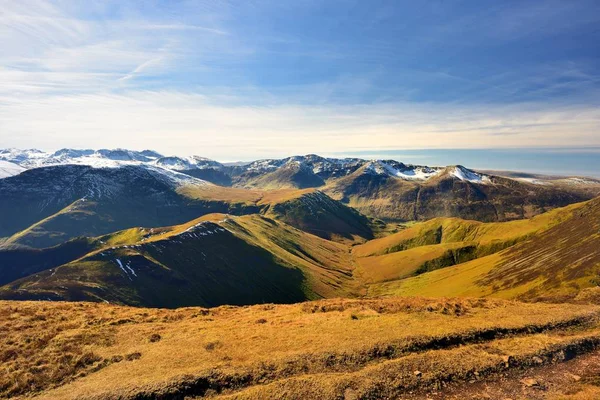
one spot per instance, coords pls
(581, 181)
(8, 168)
(186, 163)
(128, 266)
(467, 175)
(534, 181)
(399, 170)
(123, 269)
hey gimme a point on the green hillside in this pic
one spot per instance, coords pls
(559, 263)
(243, 260)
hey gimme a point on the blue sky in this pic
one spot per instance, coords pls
(246, 79)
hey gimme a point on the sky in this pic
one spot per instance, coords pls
(239, 80)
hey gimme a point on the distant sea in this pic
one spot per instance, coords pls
(564, 161)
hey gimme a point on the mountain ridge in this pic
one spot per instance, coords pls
(385, 189)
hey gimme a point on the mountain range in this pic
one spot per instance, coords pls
(385, 189)
(141, 229)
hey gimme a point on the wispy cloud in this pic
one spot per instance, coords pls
(185, 123)
(143, 67)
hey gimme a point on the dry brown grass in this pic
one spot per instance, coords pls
(239, 195)
(122, 352)
(43, 347)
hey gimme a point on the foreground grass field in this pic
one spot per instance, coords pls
(325, 349)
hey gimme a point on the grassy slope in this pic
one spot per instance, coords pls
(288, 177)
(449, 230)
(243, 260)
(320, 215)
(327, 349)
(306, 209)
(21, 262)
(557, 263)
(443, 242)
(90, 218)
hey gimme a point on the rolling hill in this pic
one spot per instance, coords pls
(243, 260)
(550, 256)
(306, 209)
(558, 263)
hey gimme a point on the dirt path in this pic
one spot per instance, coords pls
(578, 378)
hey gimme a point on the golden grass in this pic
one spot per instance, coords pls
(116, 352)
(239, 195)
(557, 264)
(459, 280)
(459, 230)
(401, 264)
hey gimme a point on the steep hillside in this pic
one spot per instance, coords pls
(21, 262)
(243, 260)
(450, 230)
(43, 207)
(332, 349)
(322, 216)
(559, 263)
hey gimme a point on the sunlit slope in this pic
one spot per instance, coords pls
(316, 350)
(443, 242)
(450, 230)
(242, 260)
(555, 264)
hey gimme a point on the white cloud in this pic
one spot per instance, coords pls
(180, 123)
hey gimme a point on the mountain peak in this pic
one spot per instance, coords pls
(400, 170)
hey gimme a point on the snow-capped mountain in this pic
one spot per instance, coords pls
(186, 163)
(9, 169)
(324, 168)
(327, 168)
(102, 158)
(399, 170)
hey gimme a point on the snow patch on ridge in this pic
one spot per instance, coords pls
(123, 269)
(399, 170)
(467, 175)
(534, 181)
